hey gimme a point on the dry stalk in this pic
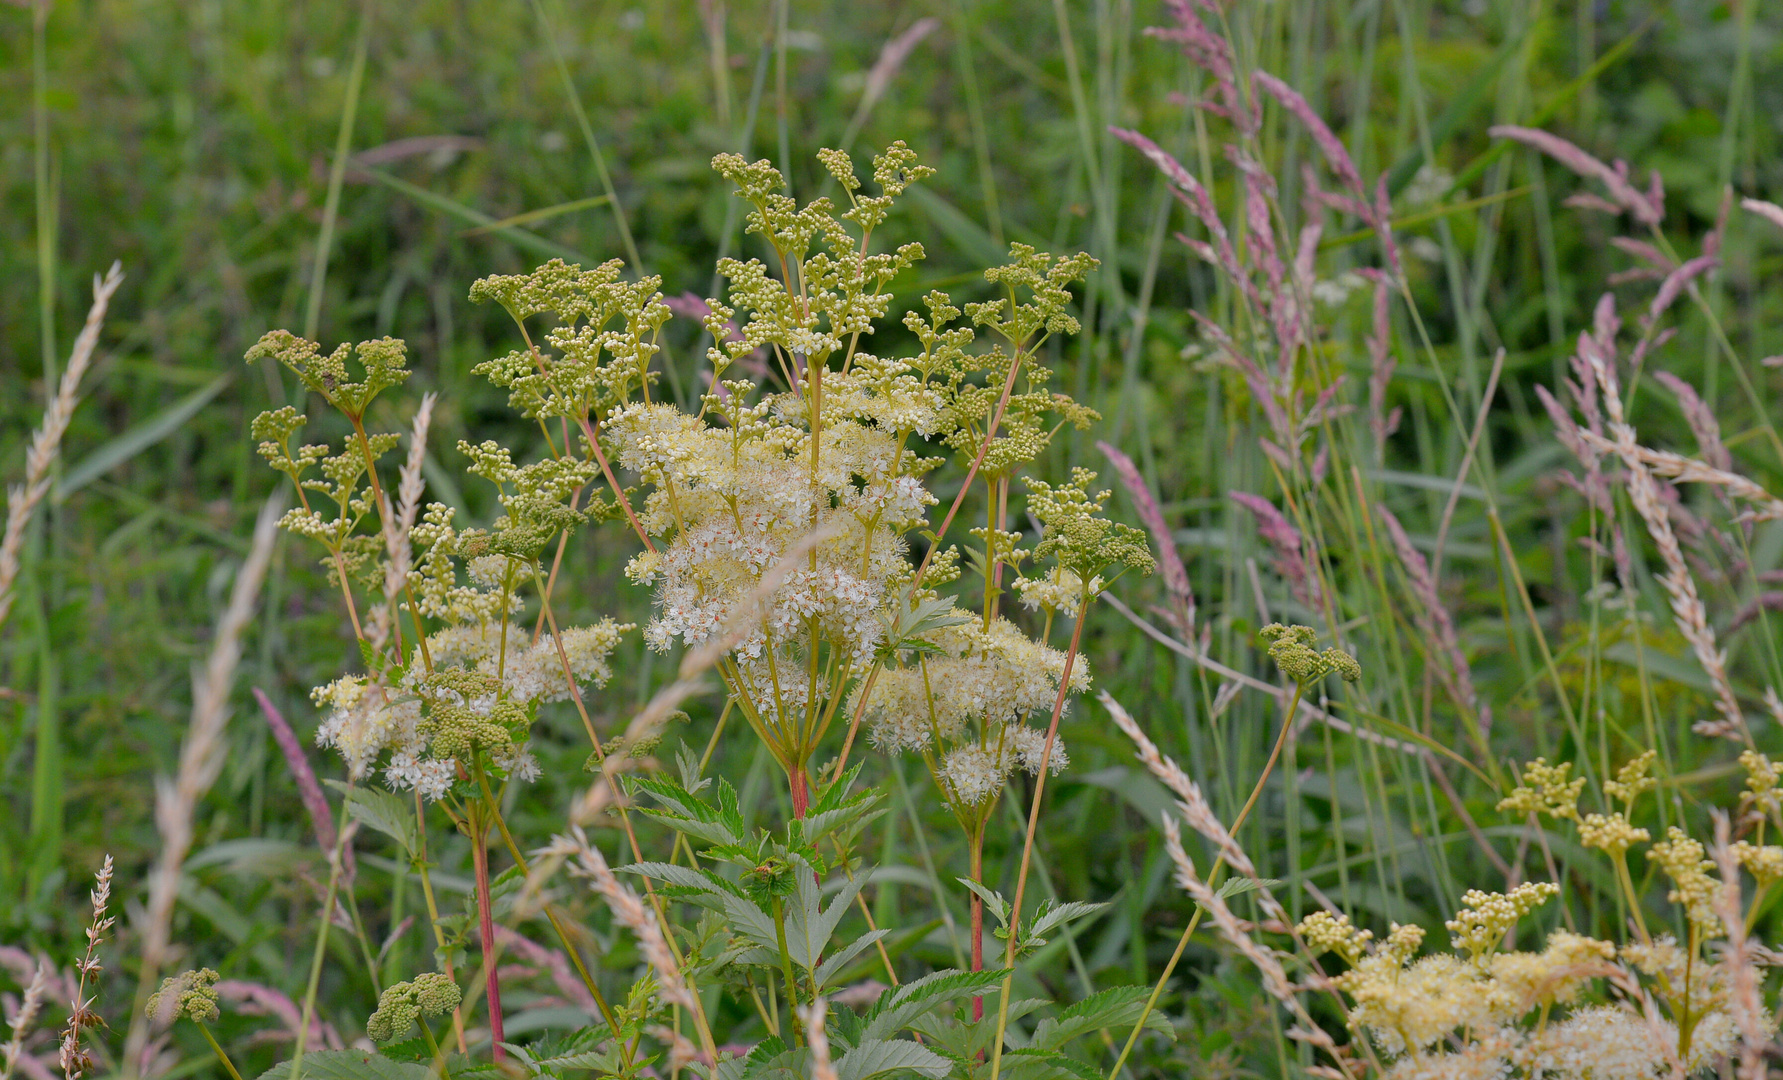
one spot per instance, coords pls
(24, 1018)
(74, 1059)
(1687, 606)
(201, 759)
(22, 499)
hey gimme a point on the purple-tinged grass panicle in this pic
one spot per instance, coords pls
(1170, 564)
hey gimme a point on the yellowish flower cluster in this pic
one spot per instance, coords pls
(1610, 833)
(1603, 1042)
(1761, 781)
(1407, 1006)
(1325, 932)
(1481, 925)
(1546, 789)
(1057, 592)
(1692, 888)
(1765, 863)
(363, 721)
(1632, 780)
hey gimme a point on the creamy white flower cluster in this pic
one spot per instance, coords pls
(365, 720)
(968, 706)
(732, 499)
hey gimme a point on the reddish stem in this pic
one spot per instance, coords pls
(801, 792)
(486, 930)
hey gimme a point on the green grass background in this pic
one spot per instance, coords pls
(194, 142)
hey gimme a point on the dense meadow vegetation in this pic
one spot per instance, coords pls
(722, 660)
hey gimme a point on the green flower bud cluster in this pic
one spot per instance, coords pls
(190, 994)
(383, 362)
(1076, 536)
(454, 731)
(399, 1006)
(597, 313)
(1291, 647)
(1047, 279)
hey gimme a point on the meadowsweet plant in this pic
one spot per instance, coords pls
(784, 534)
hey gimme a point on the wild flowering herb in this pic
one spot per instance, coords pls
(786, 542)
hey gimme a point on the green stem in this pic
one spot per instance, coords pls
(1021, 878)
(433, 916)
(316, 955)
(221, 1056)
(792, 990)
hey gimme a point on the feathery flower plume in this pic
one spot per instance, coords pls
(1676, 282)
(1208, 50)
(1701, 419)
(628, 910)
(1687, 607)
(1327, 141)
(811, 1016)
(24, 1018)
(1674, 466)
(891, 59)
(1190, 192)
(1170, 564)
(1433, 617)
(22, 499)
(1285, 540)
(1380, 351)
(1645, 209)
(201, 757)
(1743, 979)
(1191, 801)
(1769, 211)
(321, 816)
(74, 1059)
(1275, 979)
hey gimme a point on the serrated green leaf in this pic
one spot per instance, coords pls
(1239, 886)
(874, 1057)
(382, 811)
(1115, 1007)
(834, 962)
(992, 899)
(1038, 1064)
(899, 1005)
(1051, 916)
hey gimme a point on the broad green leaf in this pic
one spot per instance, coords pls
(1049, 916)
(1037, 1064)
(1114, 1007)
(898, 1006)
(876, 1056)
(384, 812)
(834, 962)
(1241, 885)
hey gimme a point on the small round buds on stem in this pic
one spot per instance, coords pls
(400, 1005)
(1291, 647)
(190, 994)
